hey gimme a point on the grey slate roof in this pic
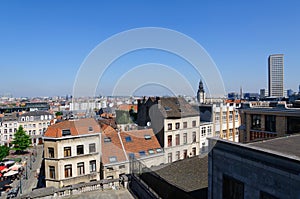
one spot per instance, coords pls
(188, 174)
(176, 107)
(36, 113)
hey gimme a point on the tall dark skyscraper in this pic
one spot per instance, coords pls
(276, 75)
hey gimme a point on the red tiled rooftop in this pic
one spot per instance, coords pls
(113, 148)
(127, 107)
(138, 142)
(77, 127)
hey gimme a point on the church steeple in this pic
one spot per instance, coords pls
(201, 93)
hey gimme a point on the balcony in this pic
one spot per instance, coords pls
(261, 135)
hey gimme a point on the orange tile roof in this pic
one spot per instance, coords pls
(77, 127)
(113, 148)
(127, 107)
(138, 142)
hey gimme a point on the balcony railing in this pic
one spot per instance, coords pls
(261, 135)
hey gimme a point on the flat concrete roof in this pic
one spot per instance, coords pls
(288, 146)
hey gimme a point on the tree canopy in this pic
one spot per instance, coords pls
(21, 140)
(4, 151)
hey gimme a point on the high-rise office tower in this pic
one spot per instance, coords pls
(275, 67)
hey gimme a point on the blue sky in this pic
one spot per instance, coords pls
(43, 43)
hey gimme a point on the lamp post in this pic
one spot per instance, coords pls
(30, 162)
(20, 184)
(26, 172)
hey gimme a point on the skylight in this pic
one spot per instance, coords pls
(147, 137)
(128, 139)
(107, 139)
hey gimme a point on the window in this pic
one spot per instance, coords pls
(66, 132)
(194, 123)
(224, 116)
(67, 151)
(184, 154)
(128, 139)
(107, 139)
(92, 166)
(147, 137)
(169, 126)
(184, 124)
(184, 138)
(52, 172)
(256, 122)
(177, 139)
(208, 130)
(68, 171)
(90, 128)
(236, 116)
(177, 125)
(112, 159)
(80, 168)
(80, 150)
(232, 188)
(158, 150)
(230, 133)
(177, 155)
(169, 157)
(122, 166)
(92, 148)
(151, 151)
(203, 131)
(142, 153)
(230, 116)
(131, 155)
(51, 152)
(194, 137)
(194, 151)
(169, 140)
(270, 123)
(33, 125)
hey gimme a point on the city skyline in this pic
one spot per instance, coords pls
(44, 44)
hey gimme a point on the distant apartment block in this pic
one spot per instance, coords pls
(35, 123)
(276, 75)
(8, 126)
(225, 119)
(264, 122)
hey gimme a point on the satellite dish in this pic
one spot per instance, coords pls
(148, 124)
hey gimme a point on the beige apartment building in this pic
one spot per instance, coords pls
(35, 123)
(72, 152)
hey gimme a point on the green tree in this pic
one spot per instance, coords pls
(58, 113)
(21, 140)
(4, 151)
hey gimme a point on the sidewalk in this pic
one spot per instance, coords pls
(33, 168)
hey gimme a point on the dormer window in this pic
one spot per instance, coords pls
(66, 132)
(90, 128)
(107, 139)
(128, 139)
(147, 137)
